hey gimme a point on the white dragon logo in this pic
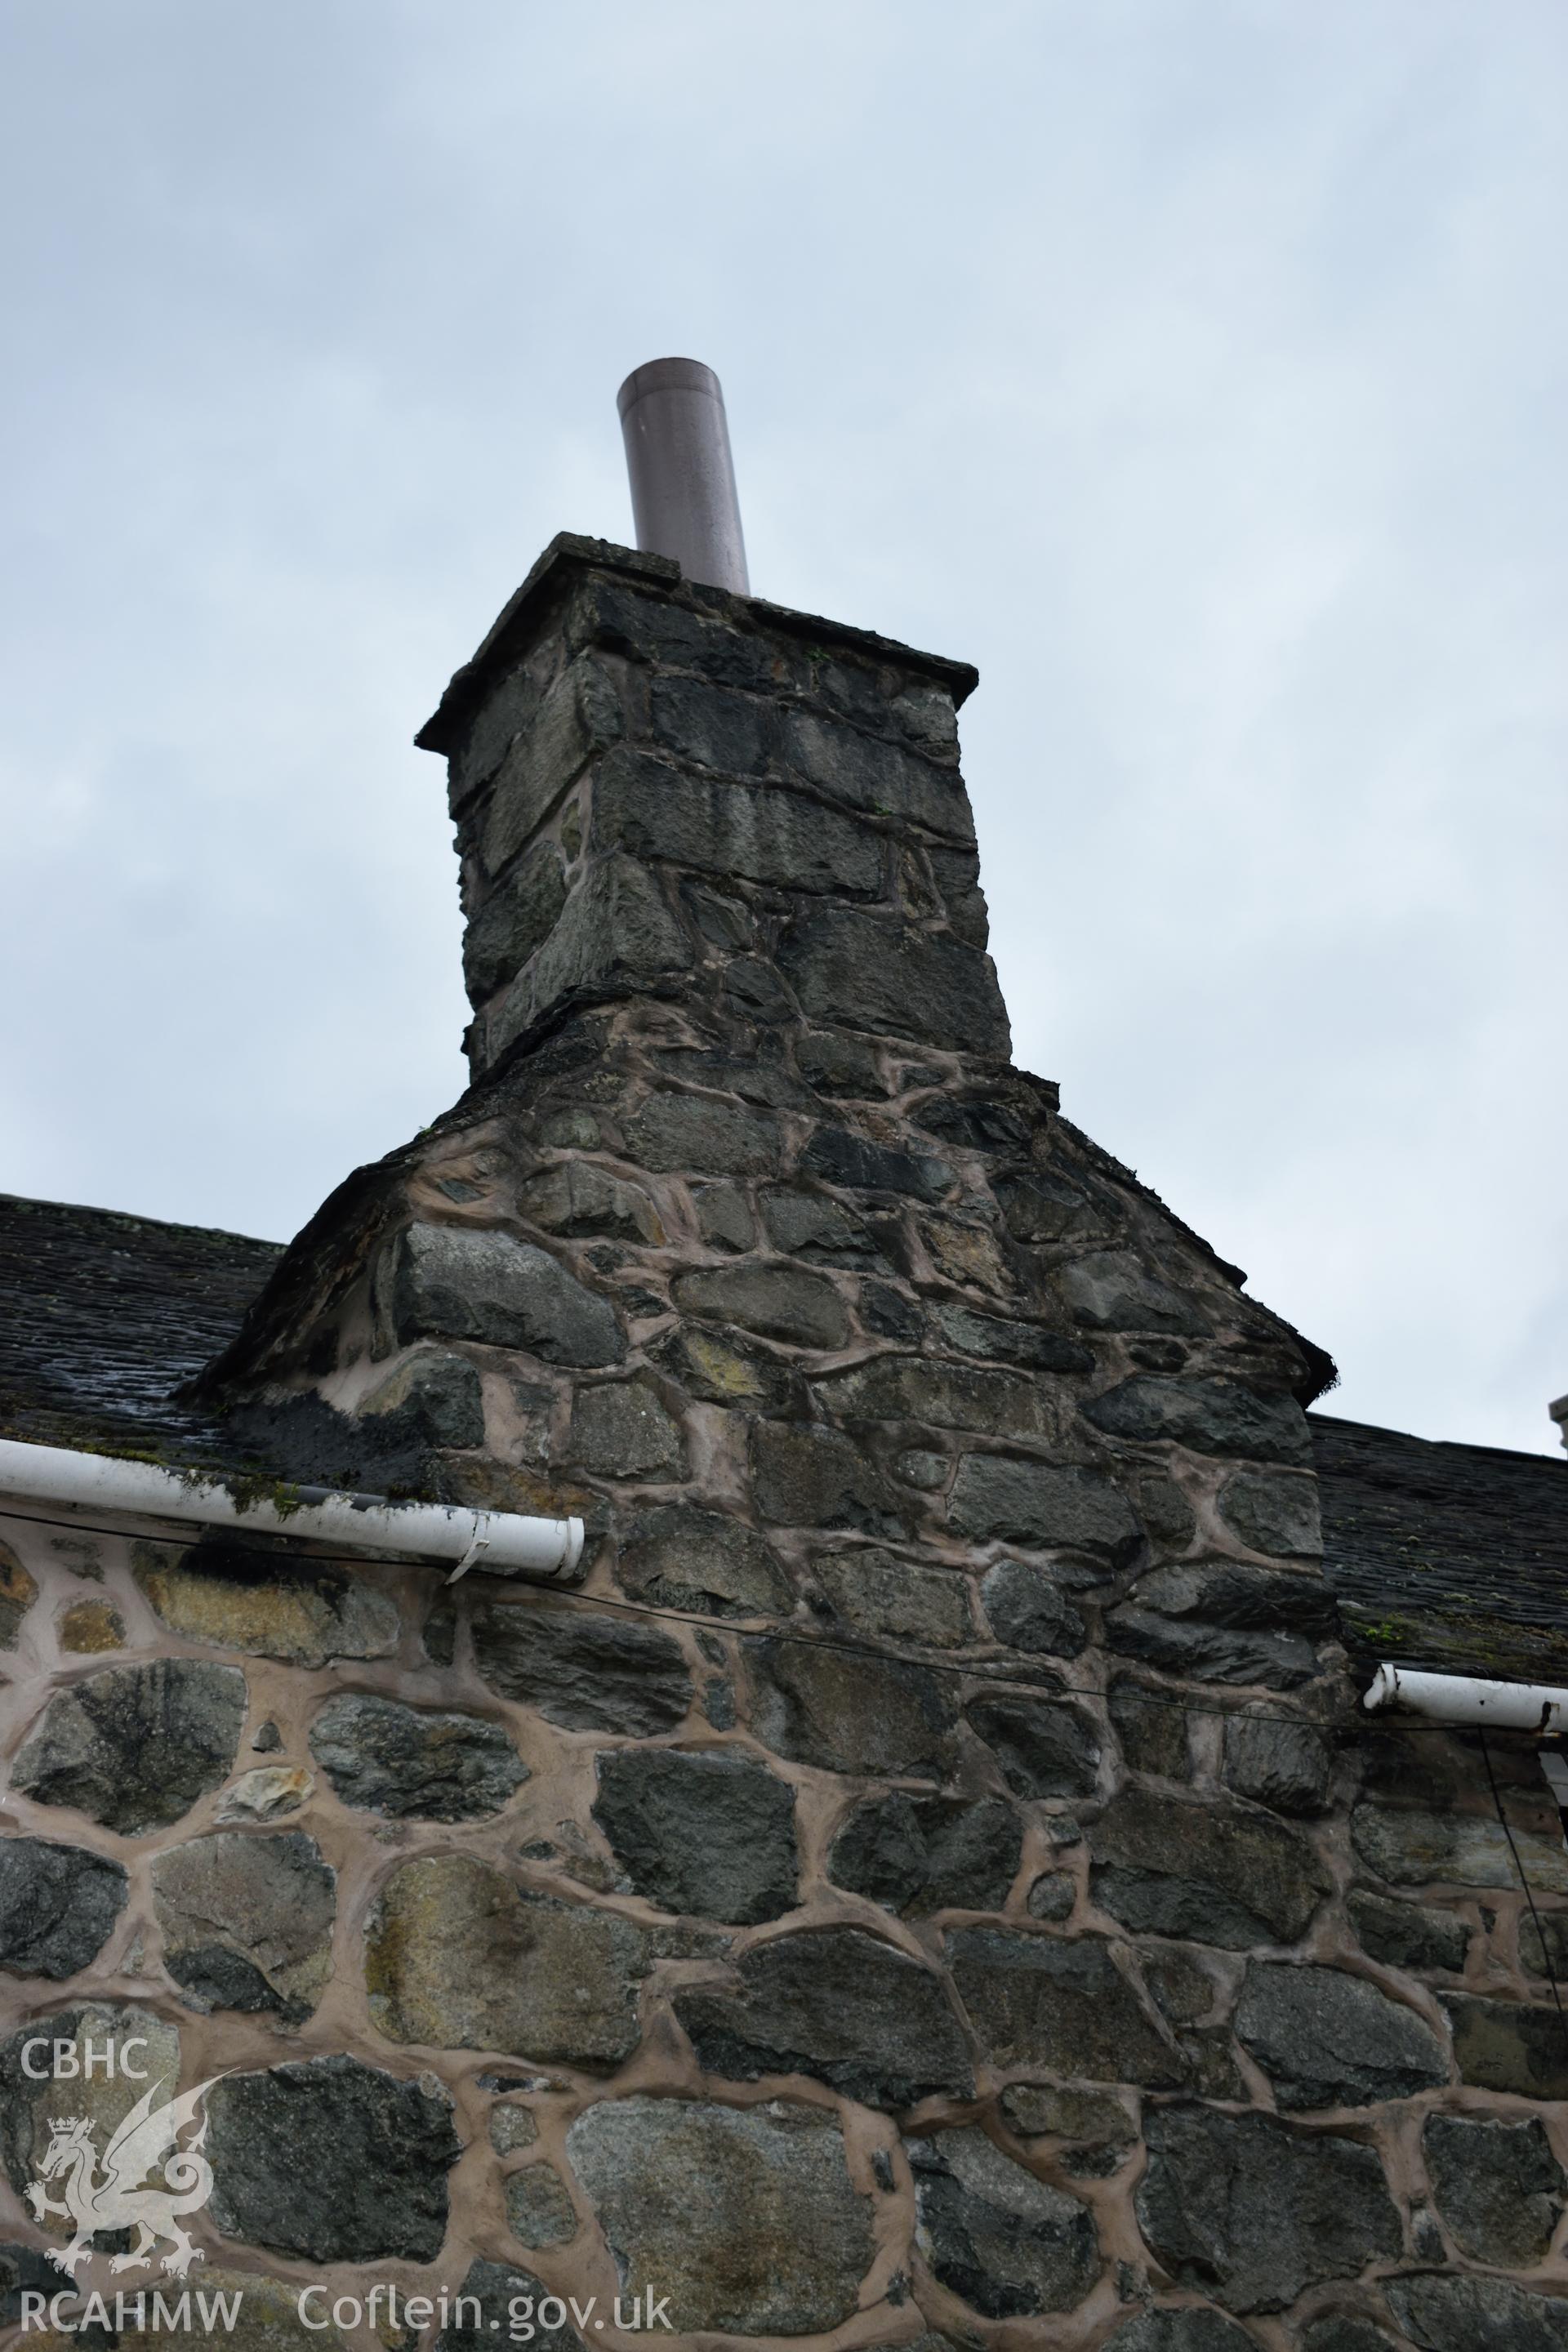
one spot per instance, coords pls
(146, 2141)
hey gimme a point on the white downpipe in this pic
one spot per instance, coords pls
(502, 1542)
(1461, 1698)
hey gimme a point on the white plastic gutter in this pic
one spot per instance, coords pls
(1462, 1698)
(502, 1543)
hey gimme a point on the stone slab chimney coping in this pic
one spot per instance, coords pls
(568, 554)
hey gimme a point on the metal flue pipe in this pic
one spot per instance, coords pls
(683, 480)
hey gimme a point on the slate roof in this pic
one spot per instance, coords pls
(103, 1315)
(1451, 1556)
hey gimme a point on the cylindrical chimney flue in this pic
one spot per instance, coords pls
(683, 482)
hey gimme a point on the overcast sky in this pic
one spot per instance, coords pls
(1195, 367)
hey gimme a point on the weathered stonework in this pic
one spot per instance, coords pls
(57, 1905)
(389, 1759)
(671, 2179)
(457, 1956)
(332, 2161)
(242, 1597)
(712, 1834)
(1005, 2242)
(930, 1884)
(27, 2101)
(134, 1746)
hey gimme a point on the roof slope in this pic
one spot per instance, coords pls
(1449, 1557)
(103, 1315)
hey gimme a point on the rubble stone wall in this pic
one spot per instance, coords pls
(929, 1879)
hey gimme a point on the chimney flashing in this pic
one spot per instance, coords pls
(570, 555)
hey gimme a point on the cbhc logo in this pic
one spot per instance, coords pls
(71, 2061)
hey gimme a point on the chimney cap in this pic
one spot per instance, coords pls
(569, 555)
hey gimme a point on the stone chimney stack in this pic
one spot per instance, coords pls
(870, 1844)
(663, 789)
